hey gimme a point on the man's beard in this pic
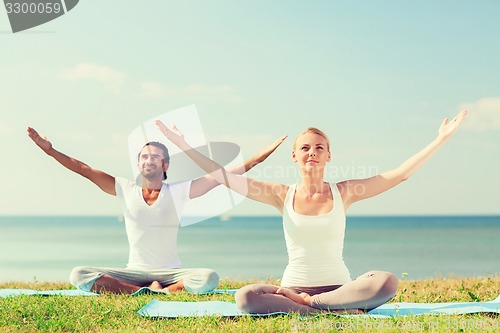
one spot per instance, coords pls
(152, 174)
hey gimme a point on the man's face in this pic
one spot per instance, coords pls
(151, 163)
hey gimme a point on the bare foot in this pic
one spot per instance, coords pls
(178, 286)
(108, 284)
(306, 299)
(301, 298)
(155, 285)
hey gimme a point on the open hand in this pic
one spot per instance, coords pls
(268, 150)
(173, 134)
(302, 298)
(41, 142)
(447, 128)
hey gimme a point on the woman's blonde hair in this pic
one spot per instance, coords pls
(314, 130)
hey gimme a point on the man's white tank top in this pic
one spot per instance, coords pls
(314, 245)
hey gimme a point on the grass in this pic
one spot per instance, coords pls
(113, 313)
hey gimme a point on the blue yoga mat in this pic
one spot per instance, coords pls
(72, 292)
(225, 291)
(157, 309)
(18, 292)
(149, 291)
(405, 309)
(160, 309)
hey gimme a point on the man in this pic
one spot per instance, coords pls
(152, 213)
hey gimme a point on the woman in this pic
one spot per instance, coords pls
(316, 278)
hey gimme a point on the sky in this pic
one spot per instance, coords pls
(378, 77)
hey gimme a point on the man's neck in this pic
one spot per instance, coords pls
(152, 184)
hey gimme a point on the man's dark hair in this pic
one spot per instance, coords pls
(166, 155)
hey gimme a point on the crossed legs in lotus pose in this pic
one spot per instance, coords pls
(367, 292)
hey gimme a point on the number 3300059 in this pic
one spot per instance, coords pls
(33, 8)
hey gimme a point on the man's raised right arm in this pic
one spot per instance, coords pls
(103, 180)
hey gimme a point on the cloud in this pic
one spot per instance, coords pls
(154, 89)
(199, 89)
(484, 114)
(85, 71)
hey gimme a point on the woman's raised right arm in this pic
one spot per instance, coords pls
(269, 193)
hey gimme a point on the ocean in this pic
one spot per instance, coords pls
(46, 248)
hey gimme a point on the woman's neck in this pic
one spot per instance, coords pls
(311, 185)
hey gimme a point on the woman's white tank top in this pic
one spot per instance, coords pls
(315, 245)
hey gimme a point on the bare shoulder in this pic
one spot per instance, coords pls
(346, 189)
(343, 187)
(280, 190)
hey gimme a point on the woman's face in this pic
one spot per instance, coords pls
(311, 152)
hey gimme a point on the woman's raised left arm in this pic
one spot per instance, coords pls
(359, 189)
